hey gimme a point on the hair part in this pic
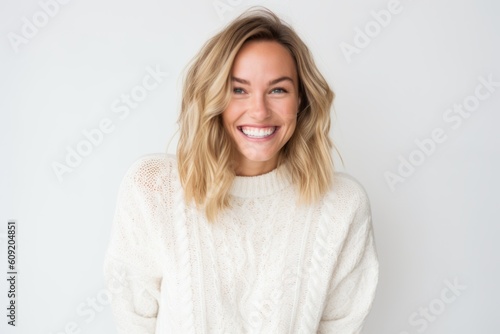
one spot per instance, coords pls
(205, 151)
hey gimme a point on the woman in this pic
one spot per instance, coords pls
(247, 229)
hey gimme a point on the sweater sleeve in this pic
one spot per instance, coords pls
(132, 273)
(354, 281)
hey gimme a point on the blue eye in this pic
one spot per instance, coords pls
(238, 90)
(278, 90)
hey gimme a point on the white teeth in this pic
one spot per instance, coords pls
(258, 132)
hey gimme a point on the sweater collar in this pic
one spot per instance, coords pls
(261, 185)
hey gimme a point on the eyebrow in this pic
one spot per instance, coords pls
(272, 82)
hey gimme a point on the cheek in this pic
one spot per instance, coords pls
(227, 117)
(290, 117)
(288, 111)
(292, 127)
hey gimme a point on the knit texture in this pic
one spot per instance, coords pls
(267, 265)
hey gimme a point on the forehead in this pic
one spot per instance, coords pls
(267, 58)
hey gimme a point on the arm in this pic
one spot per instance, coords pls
(354, 280)
(131, 270)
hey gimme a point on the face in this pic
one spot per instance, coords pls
(262, 114)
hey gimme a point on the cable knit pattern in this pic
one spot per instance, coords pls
(267, 265)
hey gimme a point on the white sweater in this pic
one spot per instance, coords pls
(266, 266)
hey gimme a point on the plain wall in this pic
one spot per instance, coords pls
(398, 96)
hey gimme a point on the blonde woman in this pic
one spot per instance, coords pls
(248, 228)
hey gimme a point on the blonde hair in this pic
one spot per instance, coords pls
(205, 150)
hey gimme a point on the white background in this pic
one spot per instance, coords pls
(440, 225)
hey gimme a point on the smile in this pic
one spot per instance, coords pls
(252, 132)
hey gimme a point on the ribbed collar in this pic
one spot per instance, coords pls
(261, 185)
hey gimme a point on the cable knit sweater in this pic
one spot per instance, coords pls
(266, 266)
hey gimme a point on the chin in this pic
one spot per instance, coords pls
(260, 157)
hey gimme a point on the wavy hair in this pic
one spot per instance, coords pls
(205, 150)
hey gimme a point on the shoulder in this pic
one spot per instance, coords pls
(346, 205)
(151, 172)
(347, 192)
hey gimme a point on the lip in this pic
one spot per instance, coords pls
(259, 127)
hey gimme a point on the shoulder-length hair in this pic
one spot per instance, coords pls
(205, 150)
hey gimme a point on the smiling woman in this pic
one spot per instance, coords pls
(262, 115)
(248, 229)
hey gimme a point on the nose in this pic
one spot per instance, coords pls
(258, 109)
